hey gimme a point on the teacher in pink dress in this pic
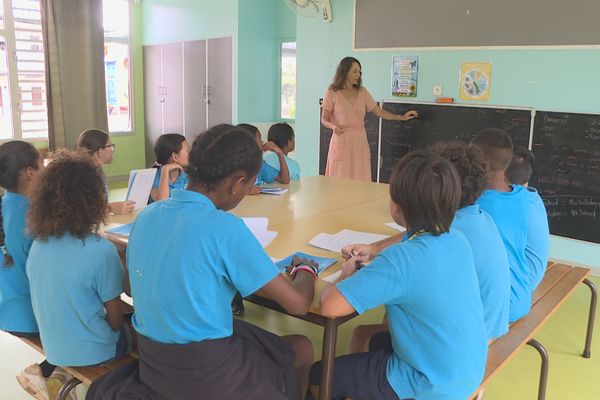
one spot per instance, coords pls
(344, 107)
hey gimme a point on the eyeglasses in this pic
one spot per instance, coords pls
(112, 146)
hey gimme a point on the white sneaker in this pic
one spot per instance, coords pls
(34, 383)
(56, 380)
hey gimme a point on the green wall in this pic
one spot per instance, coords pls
(564, 80)
(263, 25)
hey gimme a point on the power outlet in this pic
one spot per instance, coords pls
(437, 90)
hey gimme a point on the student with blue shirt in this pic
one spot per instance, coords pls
(283, 136)
(76, 277)
(509, 207)
(267, 173)
(20, 164)
(97, 144)
(171, 150)
(182, 285)
(538, 233)
(429, 287)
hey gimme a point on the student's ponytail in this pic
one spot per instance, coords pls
(14, 157)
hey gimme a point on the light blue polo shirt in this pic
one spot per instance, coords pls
(266, 174)
(186, 259)
(429, 288)
(271, 158)
(71, 279)
(510, 212)
(16, 314)
(178, 183)
(491, 264)
(538, 238)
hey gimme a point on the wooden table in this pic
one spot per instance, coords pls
(313, 205)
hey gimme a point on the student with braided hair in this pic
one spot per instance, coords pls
(20, 163)
(183, 283)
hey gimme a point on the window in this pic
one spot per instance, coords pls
(23, 111)
(117, 69)
(288, 80)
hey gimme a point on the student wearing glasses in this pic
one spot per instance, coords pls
(97, 144)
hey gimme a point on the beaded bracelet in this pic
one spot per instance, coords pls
(304, 267)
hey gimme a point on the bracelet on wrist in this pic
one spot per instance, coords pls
(304, 267)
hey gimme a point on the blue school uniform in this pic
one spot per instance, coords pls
(510, 212)
(267, 174)
(429, 288)
(182, 283)
(271, 158)
(16, 313)
(538, 238)
(71, 279)
(178, 183)
(491, 265)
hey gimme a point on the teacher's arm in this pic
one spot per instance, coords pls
(378, 111)
(326, 121)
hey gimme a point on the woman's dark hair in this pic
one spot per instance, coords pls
(166, 145)
(339, 81)
(470, 165)
(221, 151)
(427, 189)
(497, 147)
(521, 167)
(69, 198)
(14, 157)
(280, 134)
(91, 140)
(251, 129)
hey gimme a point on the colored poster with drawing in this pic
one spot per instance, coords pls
(404, 76)
(475, 81)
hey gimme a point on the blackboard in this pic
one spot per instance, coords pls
(444, 123)
(567, 172)
(372, 128)
(380, 24)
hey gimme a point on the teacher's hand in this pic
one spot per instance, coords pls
(408, 115)
(338, 130)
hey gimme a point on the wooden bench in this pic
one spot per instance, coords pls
(559, 282)
(87, 375)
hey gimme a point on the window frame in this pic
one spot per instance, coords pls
(129, 42)
(279, 83)
(8, 32)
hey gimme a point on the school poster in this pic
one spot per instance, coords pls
(404, 76)
(475, 81)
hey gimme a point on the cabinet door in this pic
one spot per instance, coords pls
(219, 80)
(152, 98)
(172, 77)
(194, 88)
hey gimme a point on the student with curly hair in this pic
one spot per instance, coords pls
(97, 144)
(20, 163)
(171, 150)
(182, 285)
(428, 284)
(76, 276)
(509, 206)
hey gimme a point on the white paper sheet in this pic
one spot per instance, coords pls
(395, 226)
(140, 185)
(335, 242)
(258, 226)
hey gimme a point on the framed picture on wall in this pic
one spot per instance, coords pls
(475, 81)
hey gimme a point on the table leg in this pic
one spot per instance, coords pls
(328, 358)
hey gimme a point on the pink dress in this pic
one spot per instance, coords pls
(349, 154)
